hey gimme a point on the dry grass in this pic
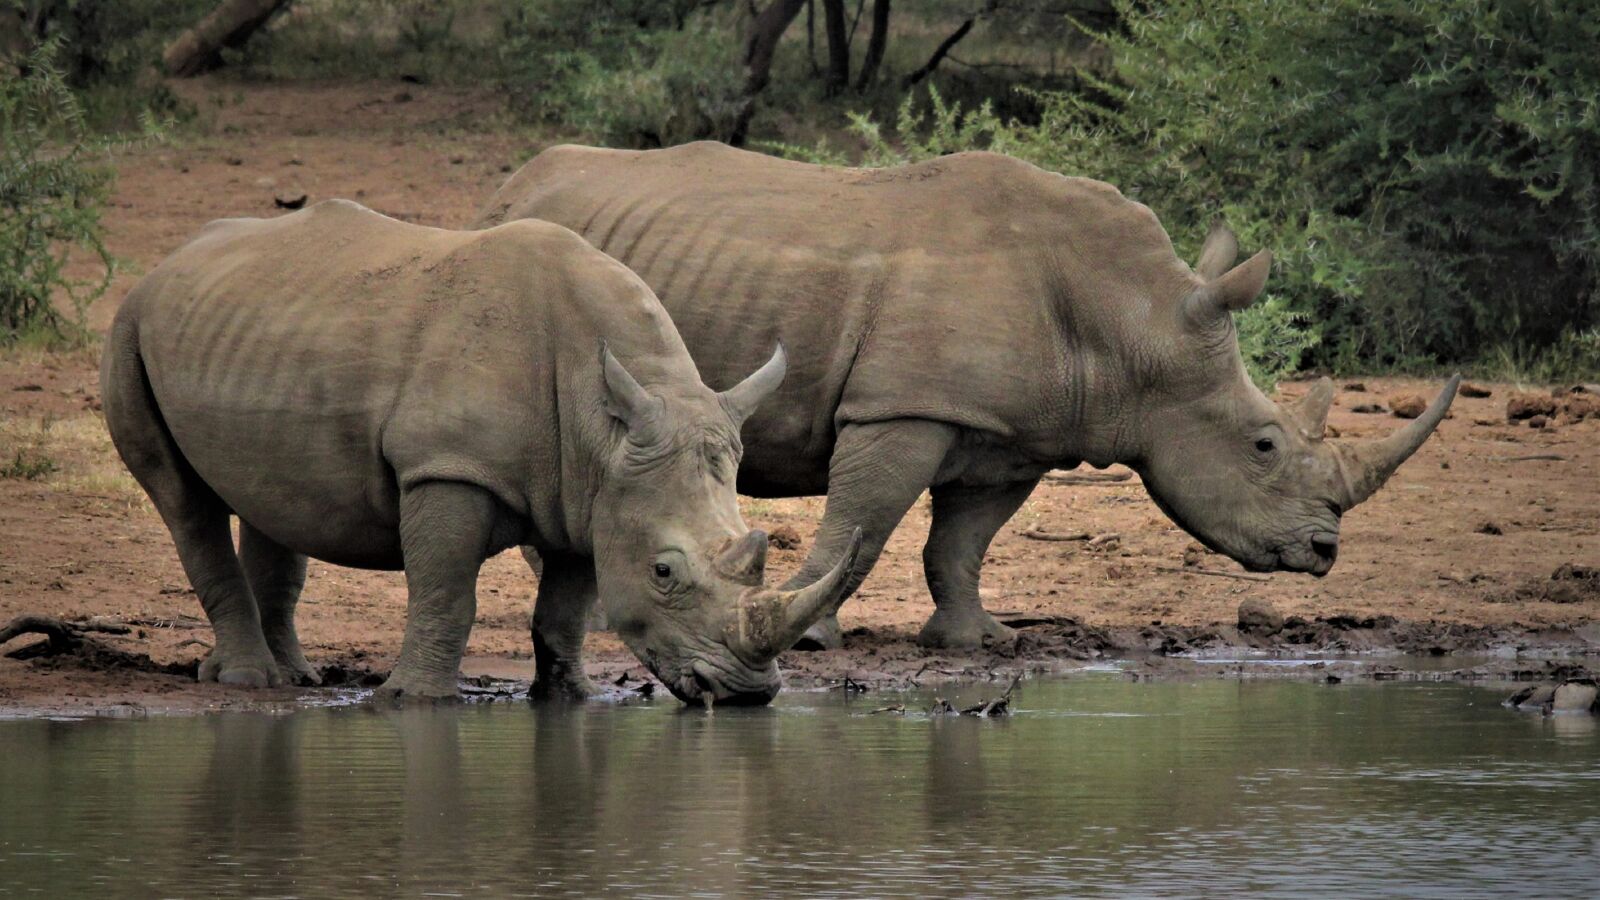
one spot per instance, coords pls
(70, 453)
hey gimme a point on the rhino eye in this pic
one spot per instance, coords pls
(663, 571)
(1264, 445)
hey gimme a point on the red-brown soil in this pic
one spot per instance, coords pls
(1459, 549)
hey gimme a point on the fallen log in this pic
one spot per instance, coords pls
(1037, 534)
(229, 25)
(62, 636)
(1190, 570)
(1087, 478)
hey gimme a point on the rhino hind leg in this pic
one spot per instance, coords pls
(965, 519)
(877, 471)
(276, 576)
(447, 530)
(561, 614)
(195, 516)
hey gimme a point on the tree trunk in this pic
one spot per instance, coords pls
(229, 25)
(759, 47)
(876, 46)
(838, 47)
(811, 37)
(939, 54)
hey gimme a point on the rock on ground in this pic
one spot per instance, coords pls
(1259, 617)
(1407, 406)
(1525, 405)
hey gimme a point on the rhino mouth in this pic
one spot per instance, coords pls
(705, 680)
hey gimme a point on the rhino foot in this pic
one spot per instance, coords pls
(824, 635)
(573, 688)
(242, 669)
(298, 672)
(963, 629)
(408, 687)
(292, 665)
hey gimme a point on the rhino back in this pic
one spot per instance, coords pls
(307, 366)
(934, 290)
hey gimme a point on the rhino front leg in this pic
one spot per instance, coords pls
(965, 519)
(877, 471)
(566, 598)
(276, 575)
(445, 534)
(597, 613)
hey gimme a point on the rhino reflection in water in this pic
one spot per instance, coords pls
(966, 324)
(384, 395)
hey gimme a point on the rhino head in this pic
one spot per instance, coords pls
(681, 577)
(1249, 478)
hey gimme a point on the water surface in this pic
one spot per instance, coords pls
(1094, 786)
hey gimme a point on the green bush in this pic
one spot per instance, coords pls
(52, 190)
(107, 51)
(1425, 170)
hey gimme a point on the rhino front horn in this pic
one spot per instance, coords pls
(771, 621)
(1367, 466)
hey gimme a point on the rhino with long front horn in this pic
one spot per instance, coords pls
(963, 325)
(383, 395)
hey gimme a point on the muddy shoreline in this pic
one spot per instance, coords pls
(99, 679)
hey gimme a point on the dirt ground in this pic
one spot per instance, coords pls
(1460, 553)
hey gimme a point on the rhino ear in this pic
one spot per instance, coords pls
(1219, 253)
(626, 400)
(742, 399)
(1234, 290)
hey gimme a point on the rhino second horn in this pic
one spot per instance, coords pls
(785, 615)
(742, 399)
(1312, 410)
(1367, 466)
(745, 560)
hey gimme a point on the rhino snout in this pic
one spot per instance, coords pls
(709, 678)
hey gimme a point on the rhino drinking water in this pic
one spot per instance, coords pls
(966, 324)
(388, 396)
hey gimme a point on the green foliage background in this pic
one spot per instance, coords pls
(52, 188)
(1424, 170)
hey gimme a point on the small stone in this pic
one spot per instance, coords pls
(1526, 405)
(1489, 527)
(1468, 389)
(1538, 421)
(457, 160)
(1258, 616)
(1369, 408)
(235, 161)
(1574, 696)
(1485, 422)
(1407, 406)
(1579, 406)
(1355, 387)
(784, 537)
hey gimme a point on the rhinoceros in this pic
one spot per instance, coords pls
(383, 395)
(964, 325)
